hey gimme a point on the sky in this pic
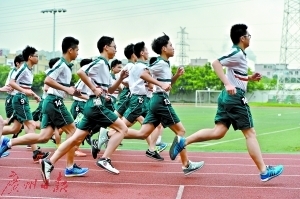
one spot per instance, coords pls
(207, 23)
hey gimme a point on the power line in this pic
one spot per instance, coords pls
(113, 10)
(142, 13)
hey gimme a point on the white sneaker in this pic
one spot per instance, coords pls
(106, 164)
(102, 138)
(46, 169)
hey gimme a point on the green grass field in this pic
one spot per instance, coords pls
(277, 129)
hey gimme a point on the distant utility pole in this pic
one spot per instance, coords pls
(54, 11)
(182, 56)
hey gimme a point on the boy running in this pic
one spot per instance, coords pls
(97, 77)
(233, 108)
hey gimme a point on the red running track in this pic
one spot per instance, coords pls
(224, 175)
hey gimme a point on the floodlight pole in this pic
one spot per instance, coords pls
(54, 11)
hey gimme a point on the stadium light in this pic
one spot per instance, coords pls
(54, 11)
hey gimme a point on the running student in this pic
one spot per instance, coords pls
(21, 81)
(55, 114)
(160, 108)
(97, 77)
(78, 103)
(123, 102)
(233, 107)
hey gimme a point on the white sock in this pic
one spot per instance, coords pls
(9, 143)
(69, 168)
(158, 140)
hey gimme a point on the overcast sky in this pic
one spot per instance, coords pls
(207, 23)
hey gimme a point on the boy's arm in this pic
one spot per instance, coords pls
(179, 72)
(54, 84)
(220, 73)
(123, 75)
(148, 78)
(15, 86)
(6, 88)
(83, 76)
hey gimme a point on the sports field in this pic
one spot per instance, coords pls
(228, 172)
(277, 129)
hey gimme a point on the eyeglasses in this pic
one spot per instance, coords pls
(115, 47)
(34, 56)
(249, 36)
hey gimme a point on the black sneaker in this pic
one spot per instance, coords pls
(17, 134)
(37, 155)
(94, 149)
(53, 139)
(88, 139)
(154, 155)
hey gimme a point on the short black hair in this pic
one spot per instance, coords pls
(53, 61)
(152, 60)
(115, 63)
(18, 59)
(28, 51)
(104, 41)
(237, 31)
(138, 48)
(159, 42)
(85, 62)
(128, 51)
(69, 42)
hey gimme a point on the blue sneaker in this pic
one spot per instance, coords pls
(161, 147)
(4, 146)
(176, 147)
(271, 172)
(5, 154)
(75, 171)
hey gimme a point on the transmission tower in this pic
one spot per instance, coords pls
(290, 45)
(182, 56)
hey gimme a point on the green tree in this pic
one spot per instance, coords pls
(38, 81)
(74, 79)
(4, 70)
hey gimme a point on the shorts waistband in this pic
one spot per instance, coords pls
(159, 93)
(240, 89)
(138, 95)
(56, 96)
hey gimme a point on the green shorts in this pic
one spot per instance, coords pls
(135, 108)
(96, 115)
(8, 106)
(55, 113)
(37, 114)
(110, 104)
(146, 106)
(161, 111)
(76, 108)
(123, 103)
(234, 109)
(20, 104)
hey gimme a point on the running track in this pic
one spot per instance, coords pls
(224, 175)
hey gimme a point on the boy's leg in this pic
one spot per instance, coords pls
(65, 148)
(254, 149)
(222, 121)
